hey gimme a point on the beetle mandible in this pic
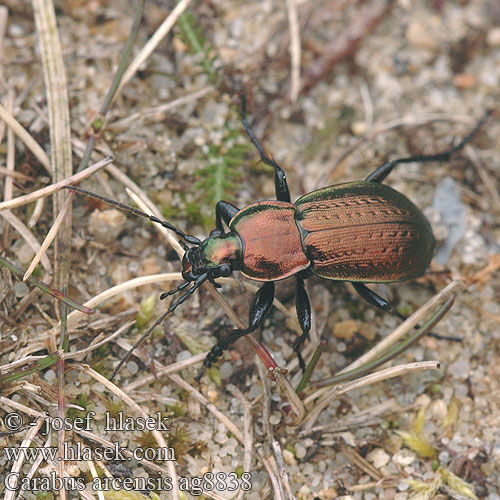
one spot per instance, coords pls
(360, 232)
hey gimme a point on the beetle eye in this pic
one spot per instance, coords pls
(225, 270)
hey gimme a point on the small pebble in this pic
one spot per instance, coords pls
(226, 369)
(300, 451)
(289, 458)
(20, 289)
(106, 225)
(493, 39)
(464, 81)
(49, 375)
(345, 329)
(404, 457)
(132, 367)
(275, 419)
(378, 457)
(419, 35)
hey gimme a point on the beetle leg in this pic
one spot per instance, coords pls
(303, 307)
(373, 299)
(261, 304)
(224, 211)
(282, 191)
(382, 172)
(376, 300)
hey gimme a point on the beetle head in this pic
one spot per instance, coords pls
(217, 256)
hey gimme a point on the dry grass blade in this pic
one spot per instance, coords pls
(248, 445)
(52, 188)
(488, 181)
(26, 138)
(48, 239)
(16, 466)
(19, 226)
(11, 151)
(278, 455)
(97, 343)
(59, 127)
(295, 52)
(153, 42)
(332, 393)
(160, 110)
(130, 402)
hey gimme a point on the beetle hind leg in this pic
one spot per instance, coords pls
(376, 300)
(261, 305)
(383, 171)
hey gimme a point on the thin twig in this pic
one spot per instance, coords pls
(48, 240)
(153, 42)
(16, 466)
(295, 49)
(373, 378)
(26, 138)
(19, 226)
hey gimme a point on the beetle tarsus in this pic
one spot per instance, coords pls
(372, 298)
(303, 308)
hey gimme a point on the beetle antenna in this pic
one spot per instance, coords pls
(127, 209)
(199, 281)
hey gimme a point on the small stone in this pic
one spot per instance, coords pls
(275, 419)
(328, 494)
(438, 409)
(106, 225)
(378, 457)
(460, 368)
(300, 451)
(25, 254)
(464, 81)
(20, 289)
(49, 375)
(132, 367)
(367, 331)
(421, 36)
(345, 329)
(226, 369)
(404, 457)
(358, 128)
(289, 458)
(493, 37)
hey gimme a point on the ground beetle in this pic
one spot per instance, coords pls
(361, 232)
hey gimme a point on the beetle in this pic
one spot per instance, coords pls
(360, 232)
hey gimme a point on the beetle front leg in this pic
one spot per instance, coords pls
(281, 186)
(303, 307)
(224, 211)
(261, 305)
